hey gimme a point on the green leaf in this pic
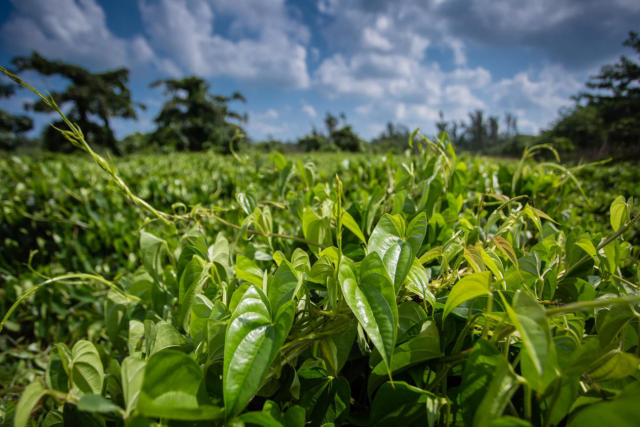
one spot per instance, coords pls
(152, 249)
(281, 288)
(166, 336)
(325, 400)
(418, 281)
(316, 229)
(468, 288)
(191, 293)
(614, 365)
(252, 341)
(610, 321)
(56, 375)
(258, 419)
(95, 403)
(248, 200)
(247, 269)
(352, 225)
(28, 401)
(399, 404)
(173, 388)
(132, 377)
(87, 372)
(389, 230)
(488, 383)
(530, 321)
(185, 258)
(416, 230)
(300, 262)
(336, 348)
(619, 213)
(587, 245)
(622, 411)
(200, 312)
(425, 346)
(398, 261)
(371, 297)
(136, 333)
(506, 248)
(295, 417)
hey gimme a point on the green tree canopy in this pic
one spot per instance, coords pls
(194, 119)
(615, 92)
(95, 99)
(12, 127)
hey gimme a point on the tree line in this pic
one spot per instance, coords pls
(604, 120)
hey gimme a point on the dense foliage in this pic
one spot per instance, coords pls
(194, 119)
(326, 290)
(95, 99)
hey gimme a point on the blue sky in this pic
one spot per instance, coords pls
(374, 60)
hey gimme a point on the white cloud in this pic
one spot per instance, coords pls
(309, 110)
(373, 39)
(75, 30)
(268, 45)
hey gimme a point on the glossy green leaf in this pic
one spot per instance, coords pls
(424, 346)
(173, 388)
(468, 288)
(371, 297)
(418, 282)
(399, 404)
(530, 321)
(325, 399)
(253, 338)
(247, 269)
(389, 230)
(281, 289)
(352, 225)
(398, 261)
(488, 383)
(416, 231)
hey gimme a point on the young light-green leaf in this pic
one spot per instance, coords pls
(470, 287)
(619, 213)
(87, 372)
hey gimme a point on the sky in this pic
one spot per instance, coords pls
(374, 60)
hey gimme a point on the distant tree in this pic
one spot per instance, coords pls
(581, 126)
(394, 138)
(493, 133)
(476, 130)
(346, 139)
(194, 119)
(12, 127)
(511, 125)
(442, 125)
(95, 99)
(312, 142)
(331, 122)
(615, 92)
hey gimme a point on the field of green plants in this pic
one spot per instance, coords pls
(424, 289)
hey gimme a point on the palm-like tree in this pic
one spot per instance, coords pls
(194, 119)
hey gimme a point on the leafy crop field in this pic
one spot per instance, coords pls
(423, 289)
